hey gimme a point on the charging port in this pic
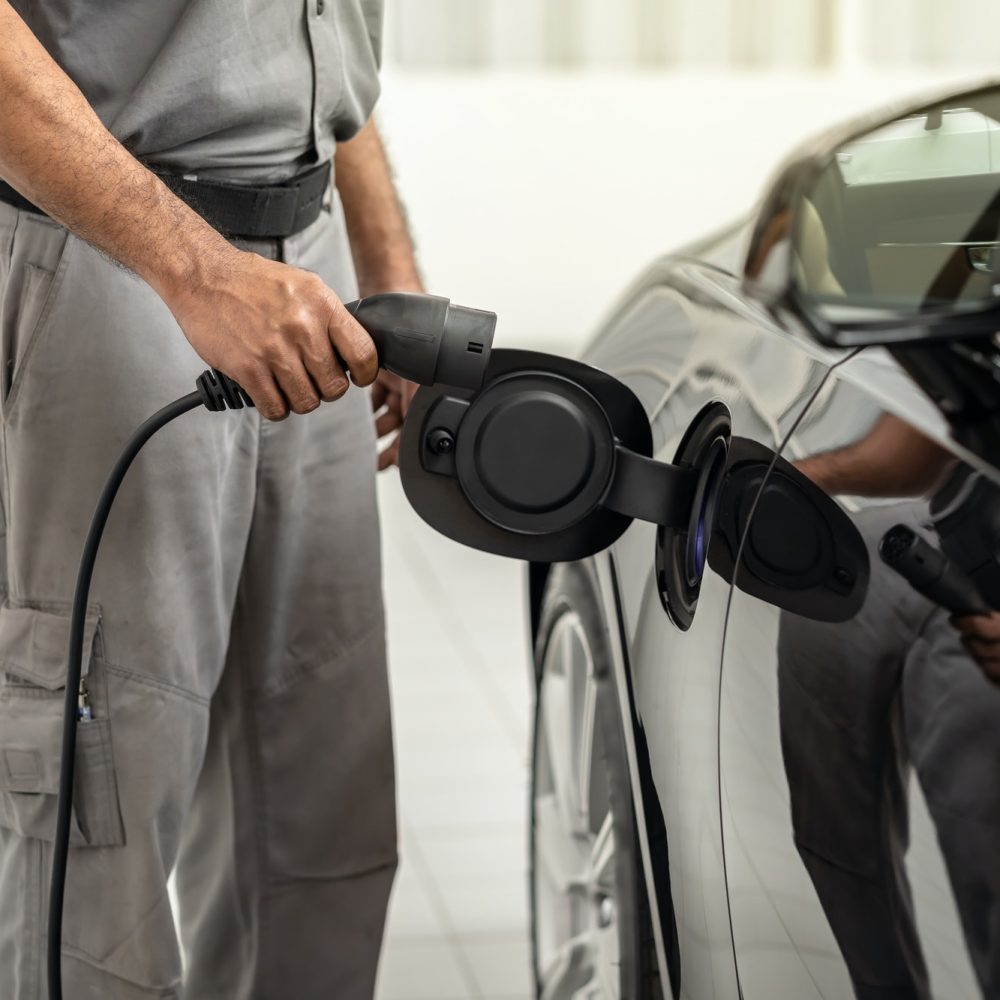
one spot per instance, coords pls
(682, 554)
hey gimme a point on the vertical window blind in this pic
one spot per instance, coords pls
(696, 34)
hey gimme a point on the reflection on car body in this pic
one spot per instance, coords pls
(864, 703)
(739, 792)
(859, 762)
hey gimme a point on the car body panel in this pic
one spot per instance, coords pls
(706, 701)
(823, 728)
(665, 348)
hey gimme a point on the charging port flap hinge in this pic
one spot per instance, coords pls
(651, 491)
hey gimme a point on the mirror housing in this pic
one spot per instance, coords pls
(887, 231)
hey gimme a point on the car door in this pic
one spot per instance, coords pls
(703, 348)
(858, 760)
(663, 348)
(697, 361)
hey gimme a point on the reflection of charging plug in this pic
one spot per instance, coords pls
(930, 572)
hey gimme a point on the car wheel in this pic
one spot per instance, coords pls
(591, 933)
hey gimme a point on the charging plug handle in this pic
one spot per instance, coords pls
(423, 338)
(930, 572)
(426, 339)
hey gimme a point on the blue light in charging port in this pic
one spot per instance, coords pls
(699, 546)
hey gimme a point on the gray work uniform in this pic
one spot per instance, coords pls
(235, 656)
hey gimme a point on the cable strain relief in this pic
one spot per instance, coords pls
(219, 392)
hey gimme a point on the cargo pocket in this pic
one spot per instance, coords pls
(33, 645)
(29, 289)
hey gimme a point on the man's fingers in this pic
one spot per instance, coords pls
(389, 455)
(386, 386)
(388, 422)
(379, 396)
(982, 649)
(989, 663)
(264, 392)
(297, 386)
(352, 343)
(409, 390)
(325, 372)
(978, 626)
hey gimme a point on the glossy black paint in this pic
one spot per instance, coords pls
(852, 765)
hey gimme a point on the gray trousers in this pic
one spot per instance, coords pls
(235, 656)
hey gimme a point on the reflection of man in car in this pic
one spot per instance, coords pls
(864, 704)
(981, 635)
(895, 460)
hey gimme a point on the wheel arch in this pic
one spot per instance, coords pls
(603, 571)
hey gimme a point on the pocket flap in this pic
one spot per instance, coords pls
(30, 742)
(29, 747)
(34, 644)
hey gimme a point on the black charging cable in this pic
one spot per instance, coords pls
(215, 392)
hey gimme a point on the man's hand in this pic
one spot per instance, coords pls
(277, 330)
(391, 397)
(981, 637)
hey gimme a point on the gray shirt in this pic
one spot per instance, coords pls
(240, 88)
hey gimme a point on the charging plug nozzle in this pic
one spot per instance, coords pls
(426, 339)
(930, 572)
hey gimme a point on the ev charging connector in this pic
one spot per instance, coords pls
(426, 339)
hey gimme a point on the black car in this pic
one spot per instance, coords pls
(763, 528)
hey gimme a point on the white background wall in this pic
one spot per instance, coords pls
(805, 34)
(541, 195)
(548, 149)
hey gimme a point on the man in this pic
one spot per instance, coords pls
(235, 718)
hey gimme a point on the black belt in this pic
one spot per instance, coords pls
(237, 210)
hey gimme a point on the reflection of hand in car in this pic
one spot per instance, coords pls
(896, 460)
(981, 637)
(891, 460)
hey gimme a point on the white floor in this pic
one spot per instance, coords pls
(462, 703)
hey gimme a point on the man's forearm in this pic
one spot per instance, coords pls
(380, 240)
(279, 331)
(892, 460)
(57, 153)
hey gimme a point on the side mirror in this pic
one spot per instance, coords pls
(888, 231)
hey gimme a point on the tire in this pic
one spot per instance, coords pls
(590, 923)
